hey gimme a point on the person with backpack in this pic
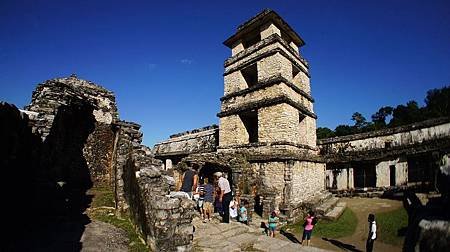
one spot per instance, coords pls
(310, 221)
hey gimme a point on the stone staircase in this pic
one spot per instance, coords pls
(330, 209)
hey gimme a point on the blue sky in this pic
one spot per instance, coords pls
(164, 59)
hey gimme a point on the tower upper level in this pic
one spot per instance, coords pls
(262, 26)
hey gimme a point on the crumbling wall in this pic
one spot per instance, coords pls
(142, 189)
(62, 99)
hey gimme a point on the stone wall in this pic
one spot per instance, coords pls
(142, 189)
(65, 108)
(388, 139)
(195, 141)
(387, 151)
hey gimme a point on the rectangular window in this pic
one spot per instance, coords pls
(250, 121)
(250, 75)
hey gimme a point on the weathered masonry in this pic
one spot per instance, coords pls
(69, 139)
(266, 118)
(407, 156)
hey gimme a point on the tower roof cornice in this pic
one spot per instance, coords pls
(265, 16)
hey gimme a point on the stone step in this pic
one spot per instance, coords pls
(335, 212)
(326, 206)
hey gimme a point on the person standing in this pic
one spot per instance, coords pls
(308, 227)
(189, 183)
(372, 233)
(208, 208)
(273, 220)
(225, 196)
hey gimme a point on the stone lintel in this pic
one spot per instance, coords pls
(267, 103)
(268, 83)
(272, 39)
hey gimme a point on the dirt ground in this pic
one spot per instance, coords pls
(357, 242)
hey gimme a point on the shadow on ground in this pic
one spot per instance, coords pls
(342, 245)
(290, 236)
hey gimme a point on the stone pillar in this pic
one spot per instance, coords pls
(168, 164)
(268, 30)
(237, 48)
(351, 183)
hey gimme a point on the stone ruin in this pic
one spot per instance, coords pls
(69, 139)
(266, 119)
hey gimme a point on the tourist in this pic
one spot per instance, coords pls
(233, 209)
(273, 220)
(189, 182)
(310, 221)
(243, 214)
(225, 196)
(372, 233)
(208, 200)
(217, 202)
(201, 197)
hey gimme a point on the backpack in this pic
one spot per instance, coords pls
(314, 221)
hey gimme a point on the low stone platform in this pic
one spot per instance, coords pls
(330, 209)
(234, 236)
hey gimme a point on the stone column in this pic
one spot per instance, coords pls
(168, 164)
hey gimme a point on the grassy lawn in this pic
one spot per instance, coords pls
(102, 209)
(344, 226)
(391, 226)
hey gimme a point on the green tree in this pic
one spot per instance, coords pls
(379, 118)
(438, 102)
(324, 132)
(343, 130)
(360, 121)
(410, 113)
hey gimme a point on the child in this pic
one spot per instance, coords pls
(273, 219)
(310, 221)
(243, 213)
(233, 209)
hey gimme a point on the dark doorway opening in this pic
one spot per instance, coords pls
(392, 175)
(365, 175)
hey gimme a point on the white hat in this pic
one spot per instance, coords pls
(218, 174)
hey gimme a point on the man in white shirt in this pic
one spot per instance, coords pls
(372, 233)
(225, 196)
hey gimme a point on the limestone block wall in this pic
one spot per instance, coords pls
(234, 82)
(232, 131)
(278, 123)
(274, 65)
(271, 92)
(196, 141)
(271, 44)
(72, 114)
(383, 173)
(339, 178)
(308, 180)
(269, 29)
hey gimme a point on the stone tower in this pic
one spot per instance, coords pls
(267, 113)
